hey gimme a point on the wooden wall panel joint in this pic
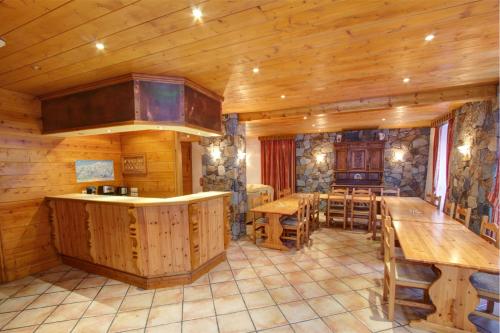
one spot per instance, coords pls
(54, 226)
(89, 227)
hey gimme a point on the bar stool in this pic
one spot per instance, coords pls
(336, 209)
(361, 207)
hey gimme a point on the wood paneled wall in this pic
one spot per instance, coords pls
(162, 149)
(31, 167)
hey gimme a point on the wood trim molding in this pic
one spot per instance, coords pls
(443, 119)
(462, 94)
(277, 137)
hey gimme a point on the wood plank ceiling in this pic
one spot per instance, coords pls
(311, 52)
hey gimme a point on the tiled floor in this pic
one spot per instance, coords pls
(333, 286)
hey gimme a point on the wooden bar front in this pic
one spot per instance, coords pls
(147, 242)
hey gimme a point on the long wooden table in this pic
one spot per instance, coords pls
(274, 210)
(433, 238)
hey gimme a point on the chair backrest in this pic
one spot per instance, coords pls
(462, 215)
(433, 199)
(449, 208)
(265, 198)
(315, 203)
(339, 191)
(489, 231)
(389, 246)
(387, 192)
(361, 192)
(384, 209)
(303, 210)
(284, 192)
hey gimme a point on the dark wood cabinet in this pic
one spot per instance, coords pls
(359, 163)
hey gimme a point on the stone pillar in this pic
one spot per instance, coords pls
(224, 168)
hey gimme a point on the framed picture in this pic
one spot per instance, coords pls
(134, 164)
(94, 170)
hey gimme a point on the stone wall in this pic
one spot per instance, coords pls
(227, 173)
(409, 174)
(472, 175)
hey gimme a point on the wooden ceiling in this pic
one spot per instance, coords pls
(313, 52)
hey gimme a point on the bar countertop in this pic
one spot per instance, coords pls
(140, 201)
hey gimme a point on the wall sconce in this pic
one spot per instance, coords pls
(398, 155)
(320, 158)
(215, 153)
(241, 155)
(465, 151)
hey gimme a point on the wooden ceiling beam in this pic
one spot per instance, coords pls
(459, 94)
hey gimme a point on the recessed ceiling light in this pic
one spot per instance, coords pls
(429, 37)
(283, 96)
(383, 119)
(36, 67)
(197, 14)
(313, 125)
(255, 70)
(99, 46)
(305, 117)
(199, 133)
(2, 43)
(406, 80)
(109, 131)
(187, 136)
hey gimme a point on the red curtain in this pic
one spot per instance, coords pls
(494, 195)
(278, 163)
(435, 157)
(449, 146)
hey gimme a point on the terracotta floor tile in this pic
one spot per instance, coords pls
(59, 327)
(373, 295)
(258, 262)
(311, 326)
(49, 299)
(352, 301)
(66, 285)
(99, 324)
(133, 290)
(198, 309)
(126, 321)
(280, 259)
(267, 317)
(308, 265)
(33, 289)
(17, 303)
(334, 286)
(297, 277)
(244, 273)
(266, 270)
(345, 323)
(68, 312)
(297, 311)
(310, 290)
(103, 307)
(92, 282)
(165, 314)
(169, 328)
(223, 266)
(341, 271)
(6, 317)
(113, 291)
(81, 295)
(237, 264)
(320, 274)
(238, 322)
(228, 304)
(74, 274)
(197, 293)
(202, 280)
(250, 285)
(357, 282)
(374, 318)
(167, 297)
(220, 276)
(224, 289)
(275, 281)
(325, 306)
(136, 302)
(30, 317)
(258, 299)
(7, 291)
(205, 325)
(285, 295)
(288, 267)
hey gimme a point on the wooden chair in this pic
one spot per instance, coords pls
(284, 193)
(296, 228)
(403, 274)
(386, 192)
(259, 221)
(433, 199)
(314, 213)
(462, 215)
(336, 209)
(487, 284)
(361, 207)
(449, 208)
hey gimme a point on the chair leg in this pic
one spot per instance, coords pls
(254, 233)
(392, 302)
(490, 306)
(297, 241)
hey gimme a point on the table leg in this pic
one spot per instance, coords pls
(454, 298)
(274, 232)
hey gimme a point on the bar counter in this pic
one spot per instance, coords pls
(147, 242)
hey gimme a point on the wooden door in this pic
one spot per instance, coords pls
(375, 161)
(341, 159)
(187, 167)
(357, 160)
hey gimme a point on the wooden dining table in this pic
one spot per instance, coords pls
(434, 238)
(274, 210)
